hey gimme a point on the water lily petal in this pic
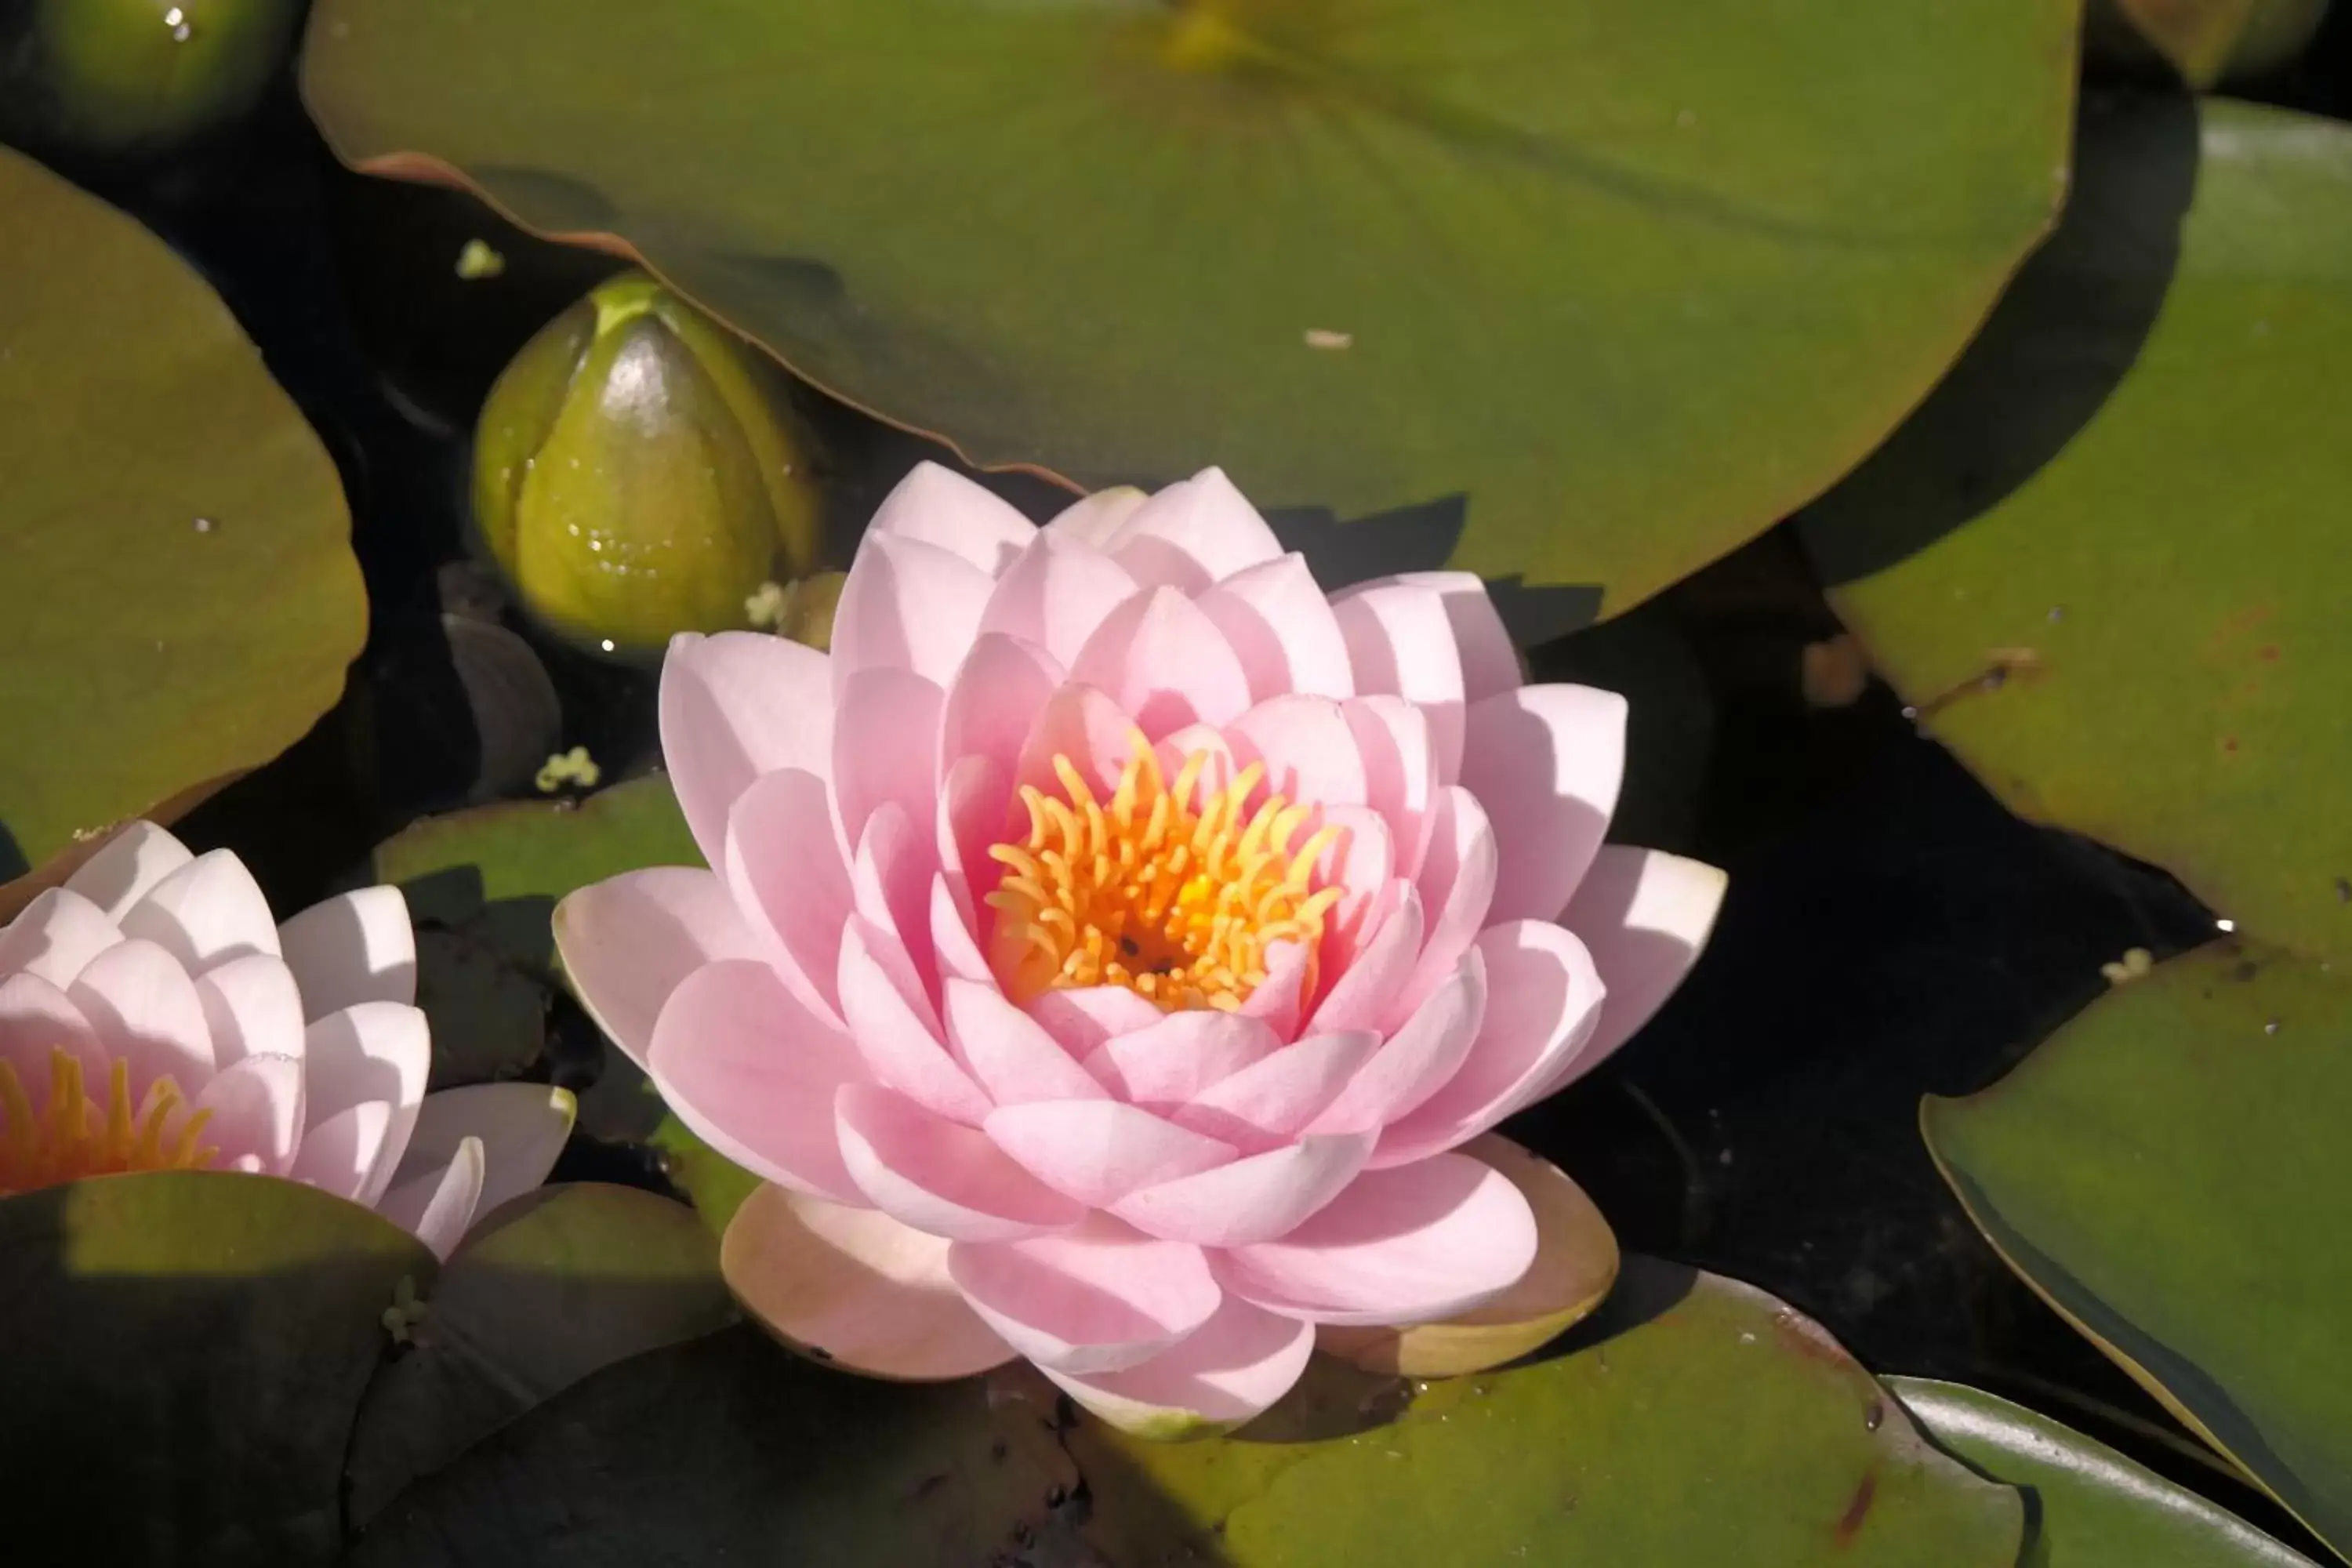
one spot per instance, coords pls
(1083, 1017)
(354, 947)
(785, 872)
(1173, 1057)
(754, 1072)
(854, 1288)
(1427, 1240)
(1267, 1102)
(1401, 779)
(1490, 659)
(119, 875)
(628, 940)
(55, 937)
(1417, 1060)
(995, 699)
(938, 1176)
(1282, 627)
(521, 1128)
(1095, 518)
(1545, 762)
(1096, 1299)
(146, 1011)
(1255, 1199)
(252, 1007)
(1458, 881)
(1401, 640)
(437, 1206)
(1011, 1054)
(885, 748)
(895, 1029)
(206, 913)
(1164, 663)
(256, 1110)
(35, 1017)
(1222, 1373)
(343, 1154)
(938, 505)
(1191, 534)
(1366, 994)
(1645, 915)
(374, 1051)
(1099, 1150)
(908, 606)
(1056, 594)
(1308, 749)
(734, 706)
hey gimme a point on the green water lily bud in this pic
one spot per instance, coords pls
(118, 76)
(638, 472)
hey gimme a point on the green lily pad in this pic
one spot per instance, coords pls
(2093, 1507)
(179, 600)
(185, 1354)
(2169, 1171)
(1695, 1420)
(2205, 40)
(1532, 254)
(559, 1283)
(482, 885)
(731, 1448)
(2104, 561)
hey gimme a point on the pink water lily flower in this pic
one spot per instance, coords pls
(1110, 943)
(154, 1016)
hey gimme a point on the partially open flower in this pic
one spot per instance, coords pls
(154, 1016)
(1114, 939)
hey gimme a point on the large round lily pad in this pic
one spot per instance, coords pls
(1633, 279)
(178, 600)
(2093, 1507)
(1693, 1420)
(2107, 560)
(2170, 1172)
(182, 1354)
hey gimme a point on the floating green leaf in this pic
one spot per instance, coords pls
(178, 601)
(1695, 1420)
(2169, 1171)
(185, 1352)
(2124, 511)
(734, 1449)
(558, 1284)
(2092, 1507)
(1632, 281)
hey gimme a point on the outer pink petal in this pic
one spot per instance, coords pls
(1164, 662)
(1174, 1057)
(1083, 1017)
(1095, 518)
(938, 1176)
(521, 1128)
(126, 866)
(1097, 1298)
(1490, 661)
(884, 747)
(1366, 994)
(1010, 1053)
(855, 1287)
(1645, 915)
(753, 1073)
(1543, 1000)
(437, 1206)
(1190, 534)
(895, 1029)
(1416, 1061)
(890, 885)
(354, 947)
(1099, 1150)
(1225, 1372)
(145, 1010)
(1268, 1102)
(994, 700)
(1400, 771)
(628, 940)
(55, 936)
(1255, 1199)
(1056, 594)
(373, 1051)
(1307, 747)
(257, 1109)
(1545, 762)
(1426, 1241)
(1457, 887)
(1282, 626)
(939, 507)
(1399, 641)
(735, 706)
(252, 1007)
(343, 1154)
(206, 913)
(35, 1017)
(907, 605)
(785, 872)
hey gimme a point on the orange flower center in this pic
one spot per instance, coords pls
(69, 1137)
(1179, 906)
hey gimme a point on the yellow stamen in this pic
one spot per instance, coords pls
(1176, 904)
(59, 1141)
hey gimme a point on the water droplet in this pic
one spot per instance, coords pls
(205, 525)
(2270, 1027)
(2057, 614)
(606, 643)
(1874, 1416)
(2225, 923)
(1909, 711)
(174, 17)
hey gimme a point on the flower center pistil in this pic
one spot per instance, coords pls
(1179, 906)
(69, 1137)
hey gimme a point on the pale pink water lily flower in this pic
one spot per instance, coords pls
(155, 1016)
(1111, 940)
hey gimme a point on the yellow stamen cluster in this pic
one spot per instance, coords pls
(1176, 905)
(70, 1138)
